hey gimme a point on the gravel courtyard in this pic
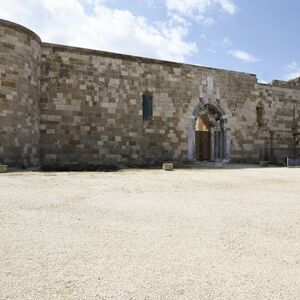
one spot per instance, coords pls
(232, 233)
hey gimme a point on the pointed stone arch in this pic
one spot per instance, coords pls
(218, 128)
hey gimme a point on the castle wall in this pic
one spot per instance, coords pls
(91, 107)
(281, 112)
(19, 95)
(62, 106)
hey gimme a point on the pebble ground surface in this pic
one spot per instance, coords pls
(230, 233)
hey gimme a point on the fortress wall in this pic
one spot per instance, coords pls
(62, 106)
(292, 84)
(91, 108)
(19, 95)
(281, 112)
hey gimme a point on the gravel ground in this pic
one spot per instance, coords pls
(232, 233)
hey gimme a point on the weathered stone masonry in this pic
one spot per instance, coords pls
(65, 106)
(19, 95)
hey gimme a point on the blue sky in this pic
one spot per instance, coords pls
(257, 36)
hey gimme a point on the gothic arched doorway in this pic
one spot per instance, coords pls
(209, 134)
(202, 139)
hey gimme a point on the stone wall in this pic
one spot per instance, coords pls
(19, 95)
(293, 84)
(91, 107)
(281, 112)
(83, 108)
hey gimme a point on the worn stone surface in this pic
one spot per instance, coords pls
(168, 166)
(3, 168)
(65, 106)
(19, 95)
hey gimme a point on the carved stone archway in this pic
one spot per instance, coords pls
(219, 132)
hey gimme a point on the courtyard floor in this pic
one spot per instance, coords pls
(232, 233)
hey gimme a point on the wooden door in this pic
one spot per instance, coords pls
(202, 143)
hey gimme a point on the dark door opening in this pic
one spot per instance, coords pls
(202, 141)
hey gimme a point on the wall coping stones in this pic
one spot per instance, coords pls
(275, 87)
(20, 28)
(139, 59)
(291, 84)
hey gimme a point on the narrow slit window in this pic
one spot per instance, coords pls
(147, 106)
(259, 114)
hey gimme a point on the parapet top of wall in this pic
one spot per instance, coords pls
(85, 51)
(20, 28)
(291, 84)
(139, 59)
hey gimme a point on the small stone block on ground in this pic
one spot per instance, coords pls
(3, 169)
(168, 166)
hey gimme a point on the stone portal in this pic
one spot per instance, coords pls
(209, 134)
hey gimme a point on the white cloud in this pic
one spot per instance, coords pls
(199, 8)
(228, 6)
(203, 37)
(149, 3)
(207, 21)
(262, 81)
(187, 7)
(211, 50)
(293, 71)
(244, 56)
(226, 42)
(292, 66)
(92, 24)
(176, 19)
(292, 75)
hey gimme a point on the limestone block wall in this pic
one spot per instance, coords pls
(91, 110)
(62, 106)
(293, 84)
(91, 107)
(19, 95)
(281, 112)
